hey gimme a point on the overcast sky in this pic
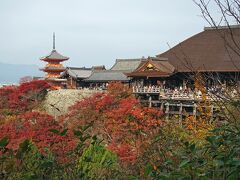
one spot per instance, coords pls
(94, 32)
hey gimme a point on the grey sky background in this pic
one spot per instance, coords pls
(94, 32)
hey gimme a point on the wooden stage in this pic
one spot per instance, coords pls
(178, 106)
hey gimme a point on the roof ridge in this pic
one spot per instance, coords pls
(109, 70)
(80, 68)
(222, 27)
(135, 59)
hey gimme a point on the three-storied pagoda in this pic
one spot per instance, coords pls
(54, 68)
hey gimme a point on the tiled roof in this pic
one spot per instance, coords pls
(54, 55)
(214, 50)
(162, 68)
(106, 76)
(98, 68)
(126, 64)
(162, 64)
(78, 72)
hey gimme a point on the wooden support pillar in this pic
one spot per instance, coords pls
(195, 114)
(180, 114)
(184, 85)
(167, 111)
(195, 110)
(150, 101)
(162, 106)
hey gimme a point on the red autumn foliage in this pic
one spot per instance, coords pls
(24, 97)
(125, 152)
(28, 95)
(5, 93)
(118, 117)
(35, 126)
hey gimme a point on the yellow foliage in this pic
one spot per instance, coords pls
(198, 127)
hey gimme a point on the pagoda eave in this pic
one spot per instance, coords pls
(52, 70)
(53, 60)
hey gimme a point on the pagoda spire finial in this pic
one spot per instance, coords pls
(54, 41)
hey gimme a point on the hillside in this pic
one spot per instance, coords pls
(11, 73)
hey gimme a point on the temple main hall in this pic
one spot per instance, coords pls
(212, 53)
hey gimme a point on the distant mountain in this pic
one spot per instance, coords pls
(11, 73)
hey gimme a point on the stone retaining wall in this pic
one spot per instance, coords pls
(57, 102)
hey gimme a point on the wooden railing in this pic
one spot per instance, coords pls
(166, 95)
(146, 90)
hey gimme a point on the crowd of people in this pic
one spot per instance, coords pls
(98, 86)
(186, 92)
(181, 92)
